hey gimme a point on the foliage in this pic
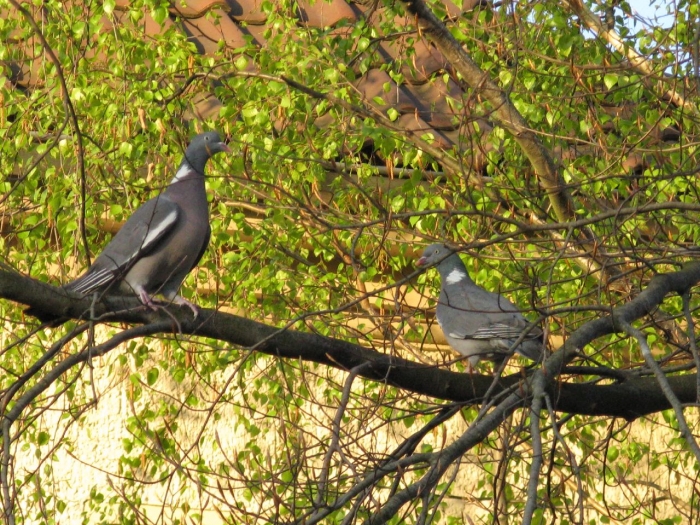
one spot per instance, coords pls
(310, 234)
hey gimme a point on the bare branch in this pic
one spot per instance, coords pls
(508, 116)
(536, 466)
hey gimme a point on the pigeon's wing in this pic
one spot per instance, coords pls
(504, 335)
(501, 330)
(139, 236)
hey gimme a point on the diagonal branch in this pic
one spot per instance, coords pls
(61, 368)
(503, 109)
(508, 116)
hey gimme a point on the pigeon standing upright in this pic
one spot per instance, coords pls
(163, 240)
(477, 323)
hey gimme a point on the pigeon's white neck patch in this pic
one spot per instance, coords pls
(182, 173)
(455, 276)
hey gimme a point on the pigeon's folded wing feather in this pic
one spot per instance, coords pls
(500, 331)
(139, 236)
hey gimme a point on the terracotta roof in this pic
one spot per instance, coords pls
(428, 99)
(214, 25)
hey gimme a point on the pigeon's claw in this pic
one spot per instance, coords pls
(147, 300)
(181, 301)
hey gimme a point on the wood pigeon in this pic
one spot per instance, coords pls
(478, 324)
(163, 239)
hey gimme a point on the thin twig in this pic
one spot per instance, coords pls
(74, 359)
(70, 110)
(572, 457)
(538, 387)
(473, 436)
(56, 139)
(4, 473)
(640, 63)
(335, 432)
(39, 364)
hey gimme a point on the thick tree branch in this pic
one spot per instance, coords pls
(629, 399)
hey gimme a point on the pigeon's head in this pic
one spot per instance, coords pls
(207, 144)
(202, 148)
(434, 254)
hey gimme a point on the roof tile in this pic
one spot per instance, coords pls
(434, 106)
(195, 8)
(207, 31)
(635, 163)
(324, 13)
(375, 83)
(206, 106)
(28, 57)
(469, 5)
(247, 11)
(256, 31)
(97, 53)
(452, 9)
(27, 66)
(417, 124)
(419, 59)
(146, 24)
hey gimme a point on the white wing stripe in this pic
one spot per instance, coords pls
(156, 230)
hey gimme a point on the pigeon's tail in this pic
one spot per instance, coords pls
(90, 282)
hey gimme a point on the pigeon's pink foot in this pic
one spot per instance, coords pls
(181, 301)
(146, 299)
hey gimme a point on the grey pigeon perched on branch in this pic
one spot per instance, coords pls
(478, 324)
(163, 240)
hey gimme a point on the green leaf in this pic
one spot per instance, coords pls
(505, 76)
(610, 80)
(287, 476)
(152, 376)
(159, 14)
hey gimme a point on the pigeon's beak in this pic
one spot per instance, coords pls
(421, 262)
(224, 147)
